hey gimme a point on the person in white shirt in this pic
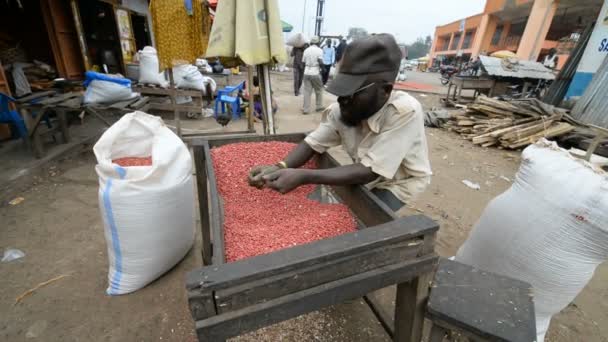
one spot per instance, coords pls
(551, 59)
(329, 59)
(313, 60)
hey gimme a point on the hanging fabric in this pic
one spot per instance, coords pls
(180, 37)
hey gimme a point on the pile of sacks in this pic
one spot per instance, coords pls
(186, 76)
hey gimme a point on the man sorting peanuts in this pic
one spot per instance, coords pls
(381, 130)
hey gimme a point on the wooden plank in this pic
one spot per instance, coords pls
(360, 200)
(203, 202)
(489, 298)
(73, 103)
(260, 290)
(237, 322)
(98, 115)
(63, 124)
(173, 107)
(302, 256)
(162, 91)
(216, 215)
(122, 104)
(57, 99)
(201, 305)
(383, 315)
(221, 141)
(410, 302)
(142, 101)
(37, 95)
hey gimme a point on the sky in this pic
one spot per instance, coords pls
(405, 19)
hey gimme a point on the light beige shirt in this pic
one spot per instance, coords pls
(310, 58)
(391, 142)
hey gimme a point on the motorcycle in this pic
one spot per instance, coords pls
(447, 71)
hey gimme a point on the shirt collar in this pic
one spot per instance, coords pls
(375, 121)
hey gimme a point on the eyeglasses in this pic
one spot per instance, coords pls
(347, 99)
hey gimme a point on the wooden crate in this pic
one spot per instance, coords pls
(229, 299)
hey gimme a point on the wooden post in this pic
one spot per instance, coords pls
(63, 124)
(172, 94)
(410, 302)
(251, 102)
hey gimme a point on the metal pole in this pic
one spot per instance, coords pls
(303, 16)
(251, 100)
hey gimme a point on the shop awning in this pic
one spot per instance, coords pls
(287, 27)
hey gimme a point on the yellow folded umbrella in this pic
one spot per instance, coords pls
(250, 30)
(504, 54)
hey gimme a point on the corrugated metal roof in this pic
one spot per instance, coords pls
(524, 69)
(591, 107)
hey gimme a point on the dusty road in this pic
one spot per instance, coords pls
(59, 228)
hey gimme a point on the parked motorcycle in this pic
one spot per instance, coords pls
(447, 71)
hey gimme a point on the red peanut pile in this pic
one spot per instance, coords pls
(262, 221)
(133, 161)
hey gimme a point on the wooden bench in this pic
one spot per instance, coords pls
(229, 299)
(480, 305)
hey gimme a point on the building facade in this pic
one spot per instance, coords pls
(529, 28)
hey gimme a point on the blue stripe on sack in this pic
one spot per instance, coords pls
(117, 276)
(122, 172)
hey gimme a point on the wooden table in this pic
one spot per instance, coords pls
(229, 299)
(480, 305)
(154, 91)
(461, 83)
(34, 107)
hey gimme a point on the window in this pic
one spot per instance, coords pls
(455, 41)
(497, 35)
(445, 41)
(468, 38)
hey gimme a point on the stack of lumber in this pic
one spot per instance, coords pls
(509, 124)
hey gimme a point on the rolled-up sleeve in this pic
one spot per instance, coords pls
(392, 145)
(326, 135)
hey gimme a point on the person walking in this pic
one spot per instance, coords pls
(298, 68)
(313, 61)
(329, 58)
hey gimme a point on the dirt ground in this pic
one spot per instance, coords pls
(59, 227)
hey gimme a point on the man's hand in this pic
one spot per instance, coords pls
(285, 180)
(257, 173)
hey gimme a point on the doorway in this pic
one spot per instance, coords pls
(140, 31)
(101, 36)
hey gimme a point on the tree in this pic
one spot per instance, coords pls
(355, 33)
(419, 48)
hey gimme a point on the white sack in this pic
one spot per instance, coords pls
(148, 211)
(99, 91)
(187, 76)
(148, 68)
(297, 40)
(549, 229)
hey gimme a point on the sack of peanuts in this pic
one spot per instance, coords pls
(549, 229)
(146, 199)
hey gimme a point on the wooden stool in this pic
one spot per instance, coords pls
(480, 305)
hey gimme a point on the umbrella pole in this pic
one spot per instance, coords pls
(268, 110)
(251, 101)
(260, 72)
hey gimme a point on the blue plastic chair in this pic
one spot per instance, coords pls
(224, 96)
(12, 117)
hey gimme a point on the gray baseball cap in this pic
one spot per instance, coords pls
(377, 55)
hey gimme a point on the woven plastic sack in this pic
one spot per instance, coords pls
(103, 88)
(149, 69)
(147, 211)
(549, 229)
(297, 40)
